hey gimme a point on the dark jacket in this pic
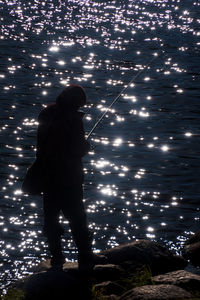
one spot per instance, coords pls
(61, 144)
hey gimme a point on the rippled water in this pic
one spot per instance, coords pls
(142, 176)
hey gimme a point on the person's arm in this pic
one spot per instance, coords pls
(80, 145)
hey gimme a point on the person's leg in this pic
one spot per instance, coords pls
(52, 229)
(73, 209)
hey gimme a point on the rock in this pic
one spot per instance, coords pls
(109, 288)
(194, 238)
(128, 266)
(107, 272)
(156, 292)
(159, 258)
(180, 278)
(111, 297)
(45, 266)
(55, 284)
(191, 250)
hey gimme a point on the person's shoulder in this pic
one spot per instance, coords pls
(79, 114)
(47, 113)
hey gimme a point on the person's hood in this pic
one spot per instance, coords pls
(71, 98)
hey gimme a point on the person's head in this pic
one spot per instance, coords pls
(71, 98)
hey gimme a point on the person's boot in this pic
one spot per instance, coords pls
(57, 258)
(57, 262)
(87, 261)
(86, 258)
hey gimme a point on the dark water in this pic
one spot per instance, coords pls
(142, 176)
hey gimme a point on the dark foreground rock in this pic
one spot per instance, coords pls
(127, 273)
(107, 272)
(191, 250)
(156, 292)
(56, 285)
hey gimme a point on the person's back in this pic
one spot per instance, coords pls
(61, 140)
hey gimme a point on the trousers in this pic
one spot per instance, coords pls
(69, 201)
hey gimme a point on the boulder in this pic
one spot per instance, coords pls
(100, 272)
(109, 288)
(191, 250)
(56, 284)
(159, 258)
(107, 272)
(181, 278)
(156, 292)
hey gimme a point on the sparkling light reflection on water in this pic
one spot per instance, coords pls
(141, 177)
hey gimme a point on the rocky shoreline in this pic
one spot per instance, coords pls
(137, 270)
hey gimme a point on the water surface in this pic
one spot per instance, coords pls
(142, 175)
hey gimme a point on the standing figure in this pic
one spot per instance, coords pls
(61, 144)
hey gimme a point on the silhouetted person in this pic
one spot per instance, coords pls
(61, 144)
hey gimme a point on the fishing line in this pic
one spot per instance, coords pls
(119, 95)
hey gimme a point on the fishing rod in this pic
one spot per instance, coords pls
(119, 95)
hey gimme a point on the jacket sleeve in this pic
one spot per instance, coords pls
(80, 146)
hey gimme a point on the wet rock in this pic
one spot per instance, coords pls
(191, 250)
(181, 278)
(109, 288)
(156, 292)
(159, 258)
